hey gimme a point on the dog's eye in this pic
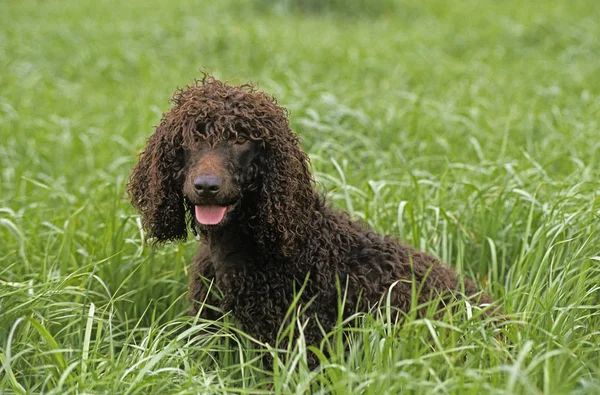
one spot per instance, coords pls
(241, 139)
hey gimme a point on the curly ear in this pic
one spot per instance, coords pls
(155, 185)
(287, 196)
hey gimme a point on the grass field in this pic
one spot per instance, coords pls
(470, 130)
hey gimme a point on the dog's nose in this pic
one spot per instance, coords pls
(207, 185)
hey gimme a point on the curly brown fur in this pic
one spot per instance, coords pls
(274, 230)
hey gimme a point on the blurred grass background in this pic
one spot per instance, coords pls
(469, 130)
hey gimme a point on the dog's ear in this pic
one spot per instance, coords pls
(287, 195)
(155, 185)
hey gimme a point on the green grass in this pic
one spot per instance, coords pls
(469, 130)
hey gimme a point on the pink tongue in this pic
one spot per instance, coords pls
(210, 215)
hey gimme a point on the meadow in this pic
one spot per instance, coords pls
(470, 130)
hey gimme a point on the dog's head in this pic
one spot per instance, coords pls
(220, 154)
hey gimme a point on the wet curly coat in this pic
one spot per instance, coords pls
(230, 149)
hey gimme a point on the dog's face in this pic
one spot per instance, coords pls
(216, 174)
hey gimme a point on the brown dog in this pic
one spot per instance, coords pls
(224, 162)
